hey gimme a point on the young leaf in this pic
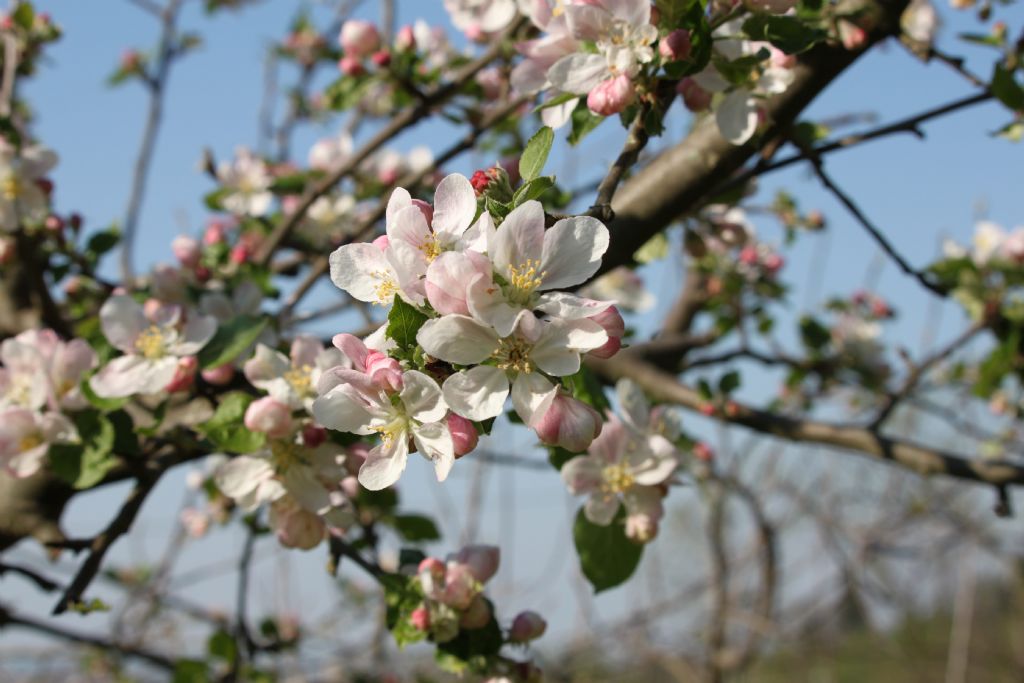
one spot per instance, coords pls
(231, 339)
(583, 121)
(1006, 89)
(416, 528)
(789, 34)
(607, 557)
(84, 464)
(536, 154)
(404, 321)
(532, 190)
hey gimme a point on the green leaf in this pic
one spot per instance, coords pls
(24, 16)
(981, 39)
(813, 334)
(583, 121)
(404, 321)
(190, 671)
(531, 163)
(222, 646)
(84, 464)
(103, 241)
(561, 98)
(346, 92)
(607, 557)
(231, 340)
(227, 430)
(416, 528)
(787, 33)
(532, 190)
(729, 382)
(289, 184)
(558, 456)
(587, 388)
(126, 441)
(1006, 89)
(213, 200)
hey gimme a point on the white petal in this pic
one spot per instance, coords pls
(383, 467)
(434, 442)
(569, 306)
(359, 269)
(344, 410)
(241, 475)
(199, 329)
(457, 339)
(478, 393)
(400, 199)
(552, 352)
(130, 375)
(573, 248)
(422, 397)
(737, 117)
(600, 509)
(634, 405)
(454, 207)
(122, 320)
(519, 238)
(582, 474)
(265, 365)
(531, 391)
(578, 73)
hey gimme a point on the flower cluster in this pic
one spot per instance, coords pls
(39, 384)
(24, 189)
(630, 464)
(453, 592)
(492, 323)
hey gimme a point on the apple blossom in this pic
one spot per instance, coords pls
(480, 17)
(350, 402)
(269, 416)
(359, 38)
(246, 182)
(184, 375)
(327, 154)
(41, 370)
(186, 250)
(151, 344)
(295, 526)
(520, 361)
(675, 46)
(291, 379)
(21, 172)
(611, 96)
(26, 436)
(530, 76)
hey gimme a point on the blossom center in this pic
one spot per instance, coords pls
(151, 343)
(286, 454)
(386, 288)
(392, 430)
(431, 248)
(617, 478)
(11, 186)
(514, 354)
(29, 442)
(300, 379)
(524, 279)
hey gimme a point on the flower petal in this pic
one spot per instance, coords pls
(478, 393)
(384, 466)
(573, 248)
(434, 442)
(422, 397)
(454, 207)
(122, 320)
(457, 339)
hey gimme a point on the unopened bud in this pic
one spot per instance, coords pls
(611, 320)
(695, 98)
(269, 416)
(420, 619)
(359, 38)
(482, 560)
(405, 39)
(527, 626)
(611, 96)
(477, 615)
(220, 375)
(381, 58)
(567, 423)
(184, 376)
(186, 250)
(464, 434)
(675, 47)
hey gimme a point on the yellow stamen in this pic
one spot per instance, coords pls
(285, 454)
(514, 354)
(431, 249)
(11, 187)
(386, 288)
(151, 343)
(524, 279)
(617, 478)
(29, 442)
(300, 379)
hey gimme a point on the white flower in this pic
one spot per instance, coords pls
(988, 241)
(520, 359)
(920, 21)
(626, 463)
(375, 275)
(21, 197)
(528, 261)
(40, 369)
(477, 17)
(350, 402)
(292, 381)
(247, 181)
(330, 153)
(25, 438)
(622, 33)
(152, 345)
(449, 229)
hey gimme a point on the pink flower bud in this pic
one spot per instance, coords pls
(269, 416)
(695, 98)
(215, 233)
(675, 47)
(491, 81)
(381, 58)
(477, 615)
(748, 256)
(611, 320)
(527, 626)
(425, 208)
(482, 560)
(464, 434)
(184, 376)
(350, 66)
(355, 456)
(239, 254)
(359, 38)
(203, 273)
(853, 37)
(703, 452)
(313, 435)
(611, 96)
(381, 242)
(432, 566)
(568, 423)
(475, 33)
(641, 527)
(773, 263)
(220, 375)
(405, 39)
(186, 250)
(460, 586)
(6, 22)
(420, 619)
(54, 223)
(383, 371)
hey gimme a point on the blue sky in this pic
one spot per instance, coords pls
(916, 191)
